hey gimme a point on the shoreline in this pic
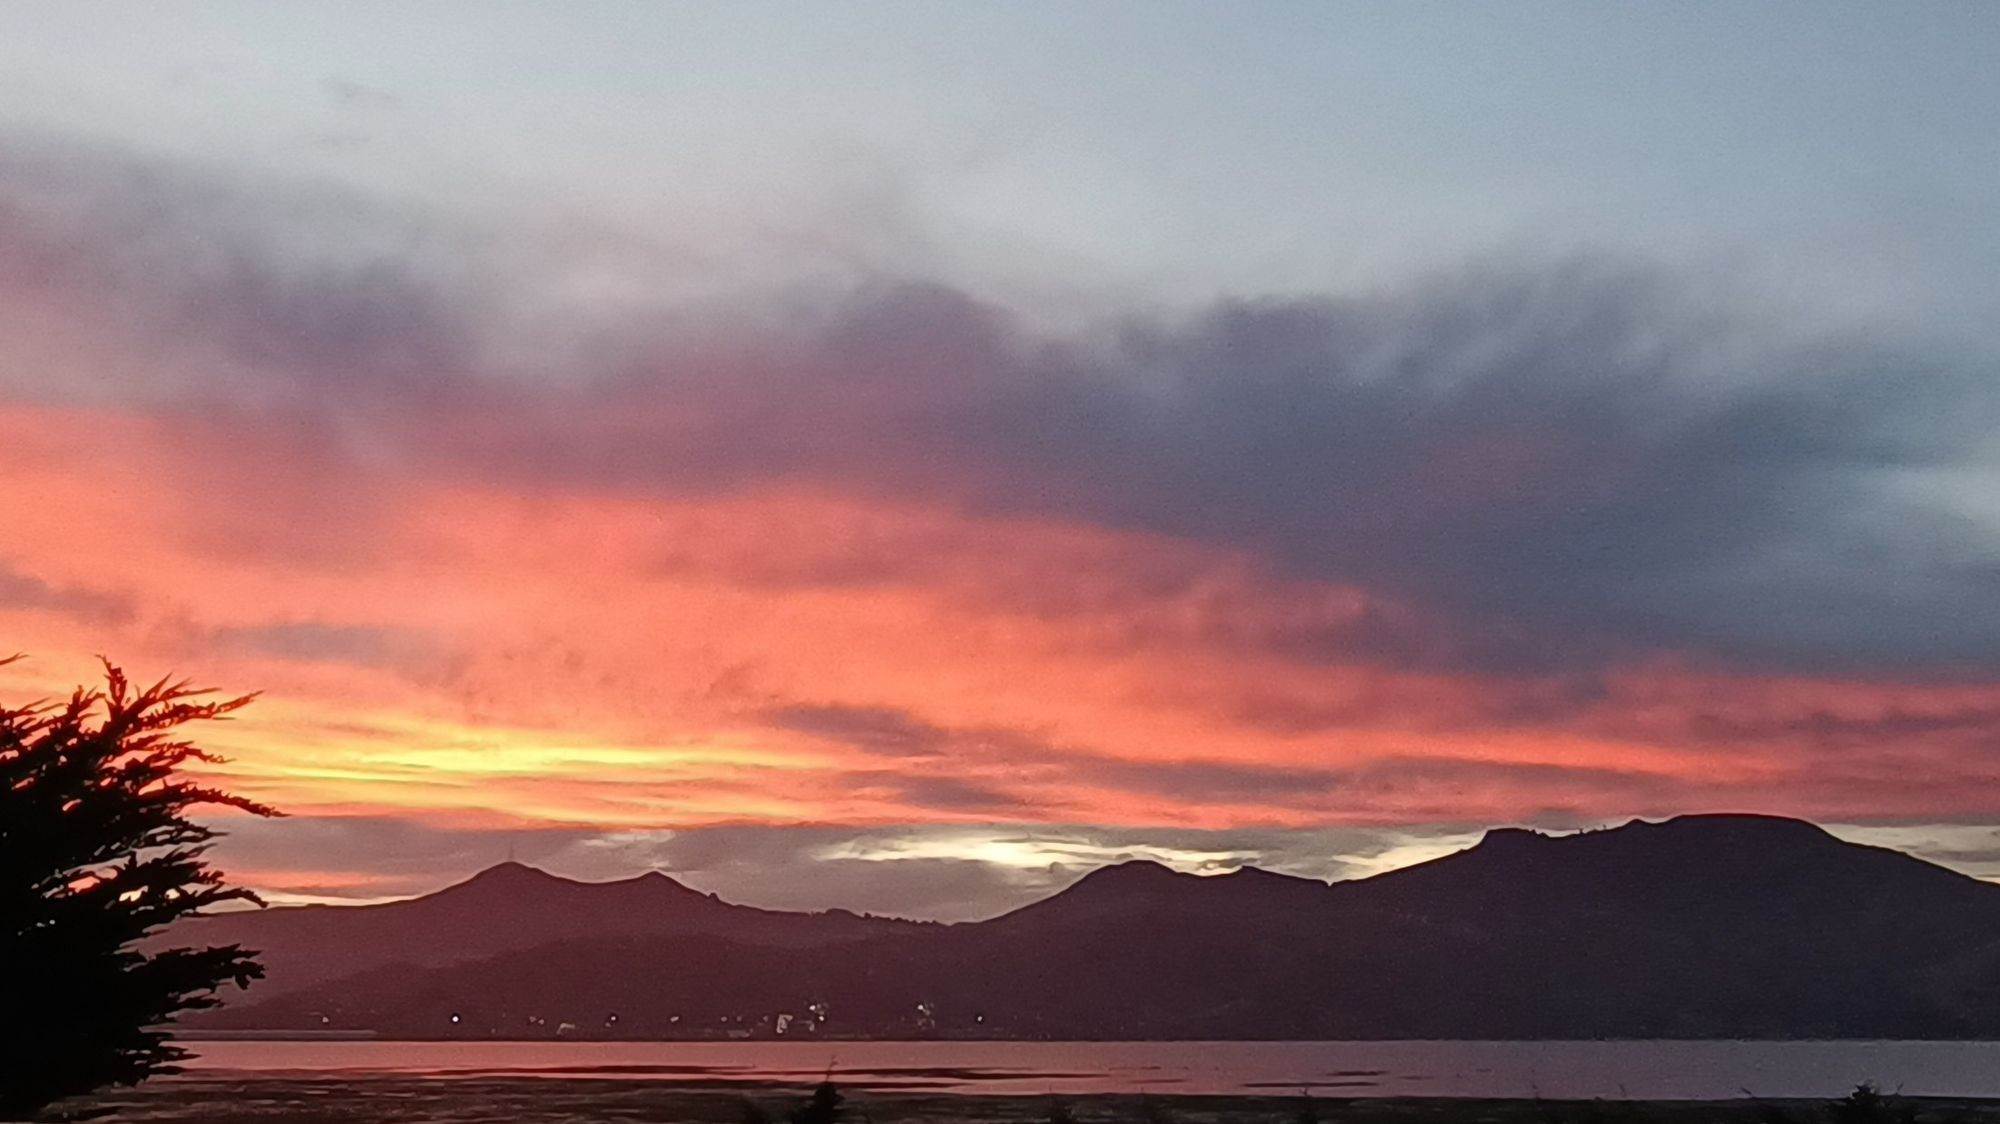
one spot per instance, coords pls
(199, 1036)
(612, 1099)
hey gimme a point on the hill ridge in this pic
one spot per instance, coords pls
(1710, 926)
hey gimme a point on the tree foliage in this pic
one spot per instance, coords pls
(97, 854)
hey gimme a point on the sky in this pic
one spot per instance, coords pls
(902, 455)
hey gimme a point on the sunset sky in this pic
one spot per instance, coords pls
(899, 455)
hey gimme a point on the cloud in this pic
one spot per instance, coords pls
(938, 793)
(877, 729)
(1526, 466)
(305, 293)
(1015, 769)
(1443, 779)
(1971, 848)
(1976, 726)
(359, 95)
(1529, 540)
(313, 641)
(372, 856)
(26, 591)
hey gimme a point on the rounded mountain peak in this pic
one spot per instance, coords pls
(511, 872)
(1133, 872)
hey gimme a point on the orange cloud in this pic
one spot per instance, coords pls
(552, 656)
(1486, 553)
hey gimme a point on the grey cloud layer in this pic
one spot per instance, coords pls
(1531, 466)
(1009, 759)
(20, 590)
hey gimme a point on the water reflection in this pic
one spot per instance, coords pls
(1649, 1070)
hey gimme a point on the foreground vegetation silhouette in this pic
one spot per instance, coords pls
(825, 1105)
(908, 1098)
(1866, 1104)
(96, 854)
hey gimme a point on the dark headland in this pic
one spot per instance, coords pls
(1697, 927)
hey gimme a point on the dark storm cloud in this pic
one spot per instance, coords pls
(1553, 482)
(1541, 467)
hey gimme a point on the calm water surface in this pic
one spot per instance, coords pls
(1648, 1070)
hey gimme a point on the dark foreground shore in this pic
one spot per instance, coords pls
(398, 1100)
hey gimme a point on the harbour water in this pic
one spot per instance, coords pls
(1647, 1070)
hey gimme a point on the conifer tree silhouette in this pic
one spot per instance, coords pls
(96, 854)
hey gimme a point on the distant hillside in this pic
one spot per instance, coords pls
(1702, 926)
(505, 909)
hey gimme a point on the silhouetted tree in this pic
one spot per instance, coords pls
(1867, 1105)
(97, 853)
(823, 1107)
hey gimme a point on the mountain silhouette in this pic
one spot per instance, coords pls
(1699, 926)
(506, 908)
